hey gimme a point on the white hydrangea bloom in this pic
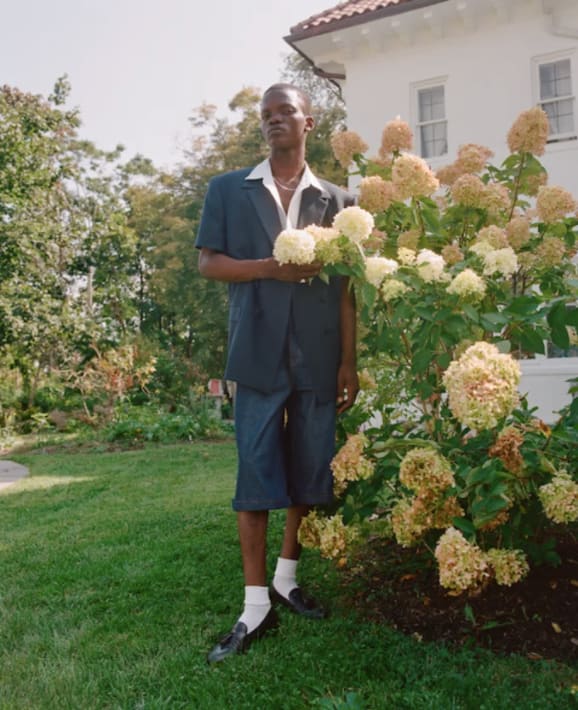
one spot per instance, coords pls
(406, 256)
(501, 261)
(322, 234)
(355, 223)
(482, 386)
(462, 564)
(430, 265)
(294, 246)
(468, 285)
(482, 248)
(377, 268)
(392, 289)
(559, 498)
(509, 566)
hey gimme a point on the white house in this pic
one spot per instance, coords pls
(459, 71)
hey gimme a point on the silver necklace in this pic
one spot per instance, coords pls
(287, 185)
(284, 187)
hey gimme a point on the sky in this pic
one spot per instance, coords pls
(139, 67)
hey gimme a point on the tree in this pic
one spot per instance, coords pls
(329, 114)
(66, 251)
(96, 250)
(37, 227)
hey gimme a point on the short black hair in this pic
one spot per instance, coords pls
(305, 100)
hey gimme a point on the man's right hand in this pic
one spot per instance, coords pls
(214, 265)
(295, 273)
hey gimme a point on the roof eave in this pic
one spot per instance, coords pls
(361, 19)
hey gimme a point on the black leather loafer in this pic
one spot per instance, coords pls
(238, 640)
(298, 603)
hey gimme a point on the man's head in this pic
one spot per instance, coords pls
(285, 116)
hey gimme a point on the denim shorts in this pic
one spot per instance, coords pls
(285, 441)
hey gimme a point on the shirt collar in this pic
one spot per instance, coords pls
(263, 172)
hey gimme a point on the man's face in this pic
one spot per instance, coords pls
(284, 122)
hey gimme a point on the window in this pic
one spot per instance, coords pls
(557, 97)
(431, 121)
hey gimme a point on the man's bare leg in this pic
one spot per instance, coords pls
(252, 525)
(291, 549)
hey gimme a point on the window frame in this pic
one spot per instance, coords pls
(416, 88)
(552, 58)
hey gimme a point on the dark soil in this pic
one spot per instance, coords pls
(537, 617)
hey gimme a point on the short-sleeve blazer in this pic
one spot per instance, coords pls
(240, 218)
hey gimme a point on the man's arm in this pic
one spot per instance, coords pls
(218, 266)
(347, 381)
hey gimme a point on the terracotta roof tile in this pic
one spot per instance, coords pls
(343, 11)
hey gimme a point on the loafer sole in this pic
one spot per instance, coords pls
(302, 606)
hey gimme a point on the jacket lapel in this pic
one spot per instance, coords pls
(313, 207)
(265, 206)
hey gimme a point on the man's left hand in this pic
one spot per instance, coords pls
(347, 387)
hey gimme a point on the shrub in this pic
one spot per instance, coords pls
(454, 290)
(148, 423)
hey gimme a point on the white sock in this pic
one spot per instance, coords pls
(285, 578)
(257, 606)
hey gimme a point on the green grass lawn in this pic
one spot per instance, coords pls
(119, 570)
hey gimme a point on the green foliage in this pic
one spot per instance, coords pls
(139, 424)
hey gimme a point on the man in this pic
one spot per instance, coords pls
(291, 353)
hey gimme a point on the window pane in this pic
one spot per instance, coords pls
(433, 139)
(561, 116)
(431, 104)
(555, 79)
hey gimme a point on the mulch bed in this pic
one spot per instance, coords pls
(537, 617)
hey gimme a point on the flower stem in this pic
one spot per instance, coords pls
(517, 185)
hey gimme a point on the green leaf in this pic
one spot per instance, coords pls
(494, 319)
(470, 312)
(560, 337)
(533, 166)
(425, 313)
(455, 326)
(431, 219)
(523, 305)
(466, 526)
(572, 317)
(488, 507)
(443, 360)
(469, 614)
(557, 315)
(421, 361)
(477, 475)
(368, 293)
(512, 162)
(445, 314)
(532, 341)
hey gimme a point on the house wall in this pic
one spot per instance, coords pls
(546, 384)
(491, 78)
(488, 62)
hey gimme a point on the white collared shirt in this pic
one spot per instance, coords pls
(289, 220)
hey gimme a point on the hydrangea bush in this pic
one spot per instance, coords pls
(460, 275)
